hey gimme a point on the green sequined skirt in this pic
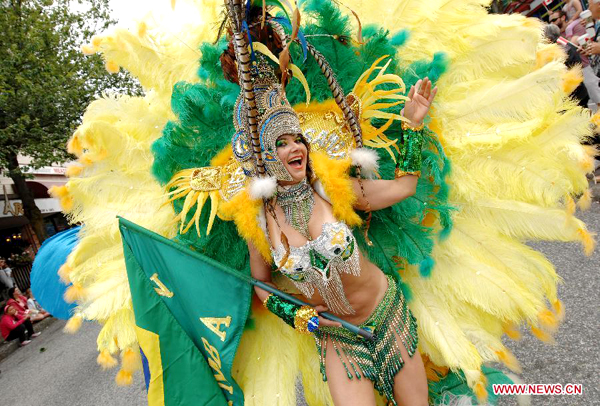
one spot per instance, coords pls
(392, 324)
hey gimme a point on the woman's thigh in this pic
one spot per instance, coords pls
(345, 391)
(410, 383)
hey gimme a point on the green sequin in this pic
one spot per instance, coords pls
(411, 151)
(380, 360)
(282, 309)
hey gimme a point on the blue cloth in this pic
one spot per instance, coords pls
(46, 286)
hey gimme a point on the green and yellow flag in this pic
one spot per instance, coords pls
(190, 313)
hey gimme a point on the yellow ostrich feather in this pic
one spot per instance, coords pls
(131, 360)
(559, 309)
(511, 331)
(74, 324)
(124, 378)
(106, 360)
(571, 79)
(508, 359)
(542, 335)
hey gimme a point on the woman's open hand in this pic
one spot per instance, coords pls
(421, 96)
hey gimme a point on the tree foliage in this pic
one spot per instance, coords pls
(45, 80)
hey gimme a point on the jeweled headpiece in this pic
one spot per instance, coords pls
(276, 117)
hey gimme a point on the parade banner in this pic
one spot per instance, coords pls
(190, 313)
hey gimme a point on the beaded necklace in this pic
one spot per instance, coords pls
(297, 202)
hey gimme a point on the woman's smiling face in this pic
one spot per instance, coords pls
(293, 153)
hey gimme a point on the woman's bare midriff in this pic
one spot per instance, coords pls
(363, 292)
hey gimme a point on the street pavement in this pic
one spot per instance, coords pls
(59, 369)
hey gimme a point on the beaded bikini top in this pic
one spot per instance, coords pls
(319, 264)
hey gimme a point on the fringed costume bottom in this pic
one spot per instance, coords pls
(393, 325)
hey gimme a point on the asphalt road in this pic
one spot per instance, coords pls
(66, 373)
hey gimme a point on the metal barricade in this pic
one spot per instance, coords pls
(20, 275)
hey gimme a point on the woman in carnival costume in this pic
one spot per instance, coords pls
(316, 112)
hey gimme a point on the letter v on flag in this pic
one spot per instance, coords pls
(190, 313)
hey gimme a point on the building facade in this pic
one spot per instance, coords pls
(16, 234)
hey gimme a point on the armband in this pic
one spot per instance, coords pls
(410, 159)
(303, 318)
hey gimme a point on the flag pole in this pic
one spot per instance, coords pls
(349, 326)
(124, 223)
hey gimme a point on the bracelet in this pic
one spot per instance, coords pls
(406, 126)
(398, 173)
(306, 320)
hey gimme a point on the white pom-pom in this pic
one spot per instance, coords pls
(263, 188)
(367, 159)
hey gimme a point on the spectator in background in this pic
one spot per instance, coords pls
(36, 311)
(6, 275)
(18, 301)
(590, 80)
(572, 9)
(594, 47)
(552, 32)
(593, 51)
(12, 327)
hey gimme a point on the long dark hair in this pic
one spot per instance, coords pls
(309, 171)
(11, 293)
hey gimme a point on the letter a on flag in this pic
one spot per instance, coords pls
(190, 313)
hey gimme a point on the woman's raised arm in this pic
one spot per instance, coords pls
(382, 193)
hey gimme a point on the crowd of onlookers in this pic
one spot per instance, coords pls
(20, 311)
(577, 30)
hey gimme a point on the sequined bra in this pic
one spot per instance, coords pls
(319, 263)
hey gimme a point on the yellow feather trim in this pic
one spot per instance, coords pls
(548, 320)
(74, 324)
(548, 54)
(58, 191)
(570, 205)
(131, 360)
(88, 50)
(73, 170)
(67, 204)
(142, 29)
(223, 157)
(124, 378)
(585, 202)
(74, 145)
(245, 212)
(571, 79)
(587, 240)
(335, 178)
(74, 293)
(434, 372)
(559, 310)
(512, 331)
(112, 67)
(429, 219)
(542, 335)
(97, 40)
(508, 359)
(86, 159)
(64, 272)
(105, 360)
(480, 392)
